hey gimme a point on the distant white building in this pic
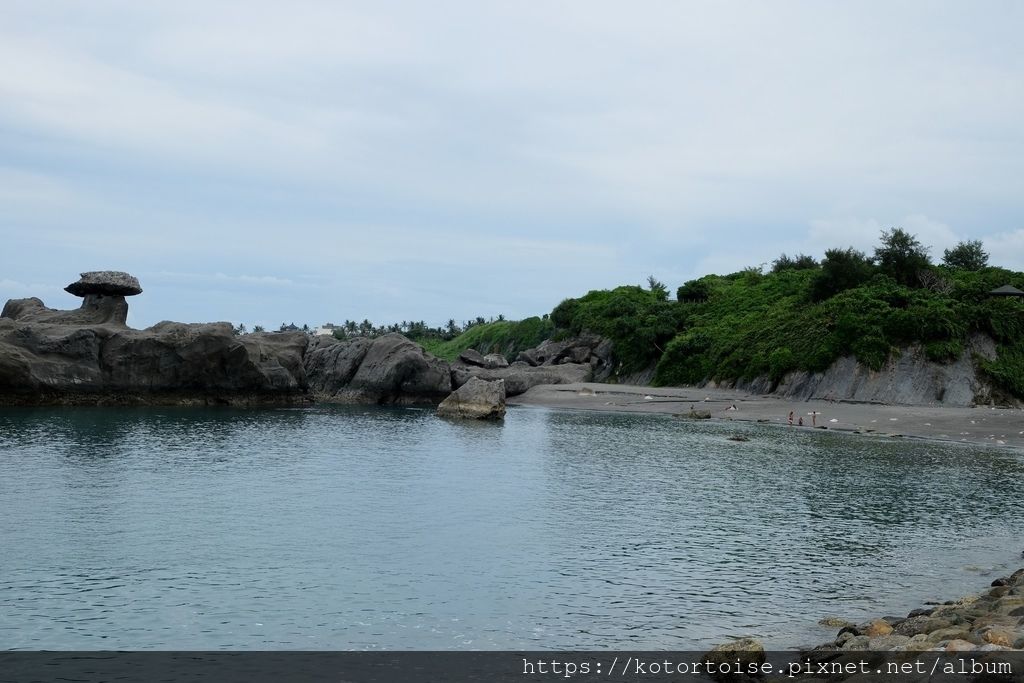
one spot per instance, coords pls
(325, 330)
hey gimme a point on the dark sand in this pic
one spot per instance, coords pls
(999, 427)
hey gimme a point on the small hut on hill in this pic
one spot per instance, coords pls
(1006, 290)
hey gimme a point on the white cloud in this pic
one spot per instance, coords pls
(864, 234)
(573, 144)
(1006, 249)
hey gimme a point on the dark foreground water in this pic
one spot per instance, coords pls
(334, 528)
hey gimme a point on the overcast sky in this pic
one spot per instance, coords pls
(274, 162)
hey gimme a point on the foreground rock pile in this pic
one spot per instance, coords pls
(993, 620)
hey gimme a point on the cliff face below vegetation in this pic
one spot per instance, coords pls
(907, 378)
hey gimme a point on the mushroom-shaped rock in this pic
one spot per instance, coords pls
(105, 282)
(477, 399)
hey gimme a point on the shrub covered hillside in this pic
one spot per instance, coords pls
(803, 315)
(506, 337)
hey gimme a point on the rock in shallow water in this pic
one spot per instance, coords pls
(476, 399)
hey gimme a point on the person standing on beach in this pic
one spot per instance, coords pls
(791, 418)
(801, 421)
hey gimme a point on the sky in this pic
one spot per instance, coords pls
(270, 162)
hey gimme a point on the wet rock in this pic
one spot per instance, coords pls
(746, 651)
(476, 399)
(834, 621)
(876, 628)
(844, 636)
(1006, 605)
(888, 642)
(953, 633)
(920, 624)
(697, 415)
(998, 637)
(857, 643)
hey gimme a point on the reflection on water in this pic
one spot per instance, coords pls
(333, 528)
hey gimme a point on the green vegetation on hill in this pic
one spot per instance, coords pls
(506, 337)
(804, 315)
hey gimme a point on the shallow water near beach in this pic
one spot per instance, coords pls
(339, 528)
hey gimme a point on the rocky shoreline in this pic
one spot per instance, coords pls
(989, 621)
(90, 356)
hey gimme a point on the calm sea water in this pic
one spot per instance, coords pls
(337, 528)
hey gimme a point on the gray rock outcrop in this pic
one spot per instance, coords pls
(90, 356)
(384, 370)
(490, 361)
(476, 399)
(585, 358)
(519, 377)
(585, 349)
(96, 309)
(46, 362)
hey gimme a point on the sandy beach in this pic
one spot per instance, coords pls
(998, 427)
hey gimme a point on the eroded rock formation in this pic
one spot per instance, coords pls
(384, 370)
(89, 355)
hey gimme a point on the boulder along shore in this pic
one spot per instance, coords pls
(989, 621)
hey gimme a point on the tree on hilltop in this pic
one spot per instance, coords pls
(842, 269)
(967, 255)
(657, 288)
(901, 256)
(798, 262)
